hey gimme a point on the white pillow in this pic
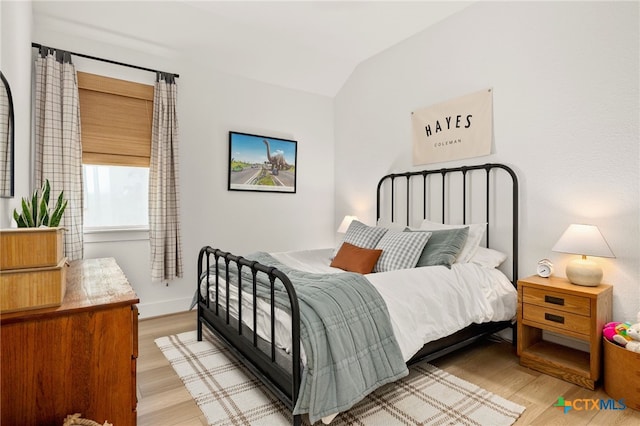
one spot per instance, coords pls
(391, 226)
(476, 231)
(489, 258)
(400, 250)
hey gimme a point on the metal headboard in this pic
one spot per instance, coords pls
(447, 197)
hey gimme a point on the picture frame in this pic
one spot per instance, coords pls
(262, 163)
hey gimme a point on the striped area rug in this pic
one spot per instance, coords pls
(227, 394)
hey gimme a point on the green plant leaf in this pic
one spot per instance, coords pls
(25, 220)
(44, 220)
(56, 216)
(43, 216)
(46, 189)
(44, 204)
(19, 220)
(58, 202)
(58, 211)
(21, 223)
(26, 214)
(34, 208)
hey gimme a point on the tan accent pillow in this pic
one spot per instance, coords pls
(356, 259)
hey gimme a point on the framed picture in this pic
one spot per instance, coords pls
(262, 163)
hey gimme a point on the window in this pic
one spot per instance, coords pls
(116, 196)
(116, 118)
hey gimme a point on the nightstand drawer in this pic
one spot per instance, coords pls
(557, 319)
(559, 301)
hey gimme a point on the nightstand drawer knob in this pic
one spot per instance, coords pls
(554, 300)
(554, 318)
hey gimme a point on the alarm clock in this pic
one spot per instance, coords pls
(545, 268)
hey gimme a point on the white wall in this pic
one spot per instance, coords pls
(565, 80)
(565, 91)
(210, 105)
(16, 65)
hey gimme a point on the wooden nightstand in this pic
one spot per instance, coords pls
(556, 305)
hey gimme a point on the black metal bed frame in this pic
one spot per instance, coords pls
(261, 357)
(465, 171)
(251, 351)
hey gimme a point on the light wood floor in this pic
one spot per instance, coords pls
(164, 401)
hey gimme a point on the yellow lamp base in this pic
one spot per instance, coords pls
(584, 272)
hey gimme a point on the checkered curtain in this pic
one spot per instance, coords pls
(58, 149)
(164, 200)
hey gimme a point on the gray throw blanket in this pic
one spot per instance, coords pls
(346, 334)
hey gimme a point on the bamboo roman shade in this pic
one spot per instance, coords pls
(116, 117)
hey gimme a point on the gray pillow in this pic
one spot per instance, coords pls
(443, 247)
(361, 235)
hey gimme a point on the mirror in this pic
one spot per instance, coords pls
(6, 139)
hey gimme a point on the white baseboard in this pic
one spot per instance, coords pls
(166, 307)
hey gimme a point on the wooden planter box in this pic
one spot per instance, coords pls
(622, 374)
(24, 248)
(33, 288)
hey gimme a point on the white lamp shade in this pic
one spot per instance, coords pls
(585, 240)
(345, 223)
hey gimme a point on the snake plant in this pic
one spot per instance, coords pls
(36, 212)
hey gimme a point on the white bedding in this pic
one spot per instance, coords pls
(424, 303)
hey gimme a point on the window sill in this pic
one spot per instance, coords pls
(115, 234)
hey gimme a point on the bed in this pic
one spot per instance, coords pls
(416, 313)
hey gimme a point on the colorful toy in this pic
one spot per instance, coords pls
(633, 333)
(617, 332)
(621, 337)
(609, 330)
(624, 334)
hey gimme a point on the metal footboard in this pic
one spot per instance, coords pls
(436, 194)
(244, 341)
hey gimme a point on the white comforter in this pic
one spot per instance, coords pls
(424, 304)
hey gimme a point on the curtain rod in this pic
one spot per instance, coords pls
(38, 46)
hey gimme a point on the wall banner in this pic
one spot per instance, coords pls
(459, 128)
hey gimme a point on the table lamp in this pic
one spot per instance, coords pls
(585, 240)
(345, 223)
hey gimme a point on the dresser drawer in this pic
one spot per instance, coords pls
(554, 318)
(558, 301)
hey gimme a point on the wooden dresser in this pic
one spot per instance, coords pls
(79, 357)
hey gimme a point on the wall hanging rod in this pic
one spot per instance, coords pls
(38, 46)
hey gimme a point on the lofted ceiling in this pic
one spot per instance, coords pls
(312, 46)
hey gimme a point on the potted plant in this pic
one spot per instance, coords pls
(36, 213)
(37, 242)
(32, 262)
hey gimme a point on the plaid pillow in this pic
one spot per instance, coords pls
(400, 250)
(361, 235)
